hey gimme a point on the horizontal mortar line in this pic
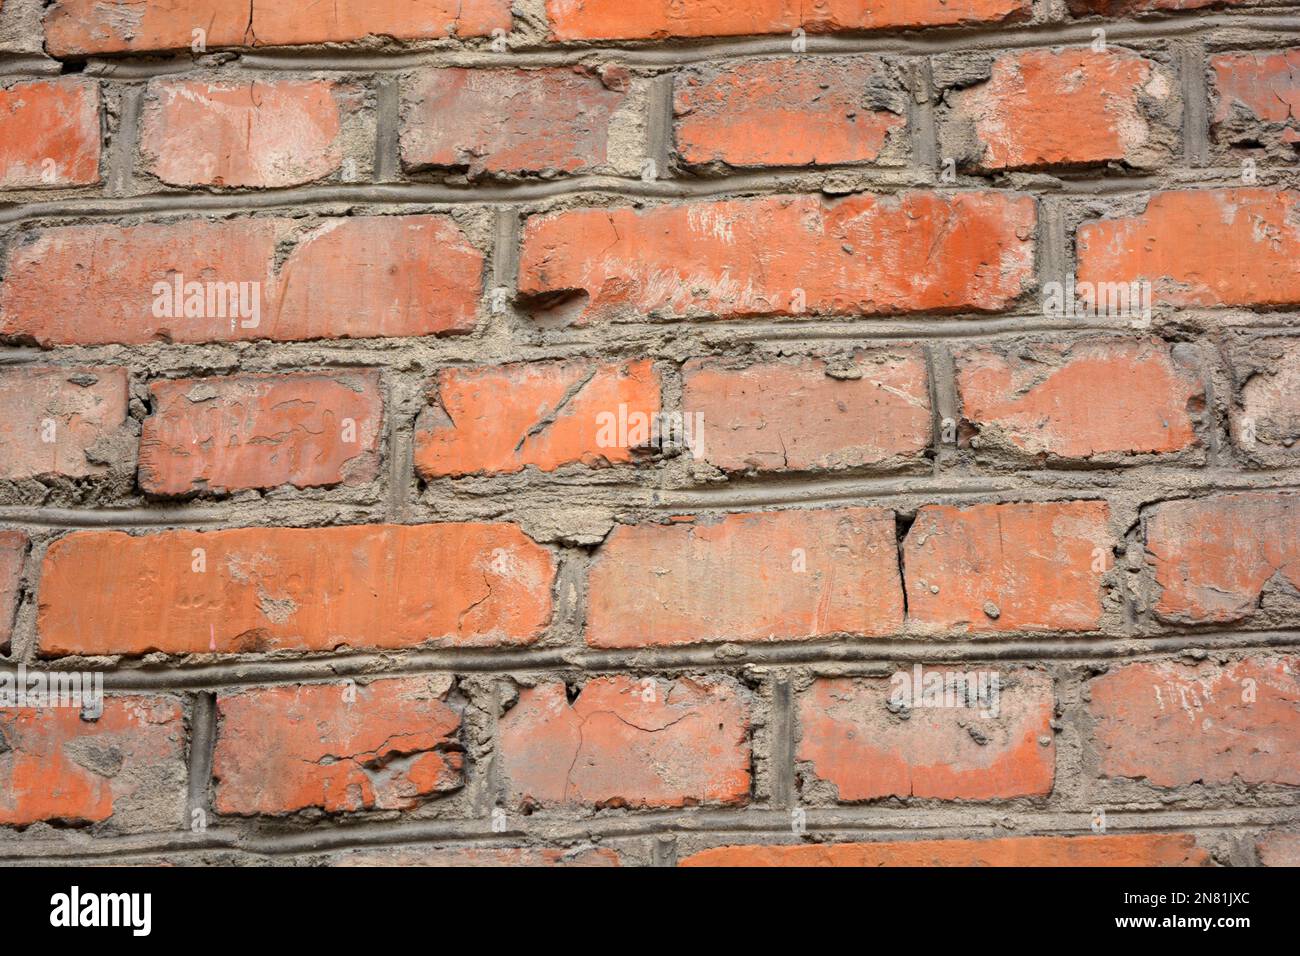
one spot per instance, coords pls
(785, 180)
(924, 41)
(127, 518)
(884, 823)
(381, 664)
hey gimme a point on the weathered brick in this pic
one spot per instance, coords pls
(474, 856)
(1220, 559)
(60, 422)
(1278, 848)
(1044, 108)
(262, 134)
(75, 27)
(49, 134)
(1265, 419)
(786, 256)
(781, 575)
(658, 19)
(507, 121)
(353, 277)
(543, 414)
(126, 766)
(388, 745)
(1209, 247)
(261, 431)
(871, 408)
(13, 551)
(1129, 849)
(261, 589)
(1081, 399)
(628, 742)
(982, 741)
(1174, 724)
(1007, 567)
(1257, 92)
(787, 112)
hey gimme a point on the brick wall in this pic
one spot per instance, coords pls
(593, 432)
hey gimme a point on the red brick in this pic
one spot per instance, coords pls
(1174, 724)
(13, 549)
(355, 277)
(1007, 567)
(1218, 559)
(988, 749)
(861, 255)
(53, 419)
(475, 856)
(1130, 849)
(657, 19)
(543, 414)
(49, 134)
(507, 121)
(806, 414)
(1210, 247)
(628, 742)
(127, 765)
(788, 112)
(1266, 416)
(1279, 849)
(1265, 87)
(1077, 400)
(389, 745)
(1044, 108)
(261, 431)
(281, 133)
(118, 26)
(264, 589)
(781, 575)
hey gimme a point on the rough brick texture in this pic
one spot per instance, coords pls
(389, 745)
(219, 434)
(311, 588)
(49, 134)
(789, 575)
(1174, 724)
(628, 743)
(631, 432)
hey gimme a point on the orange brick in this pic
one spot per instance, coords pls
(354, 277)
(811, 414)
(507, 121)
(787, 112)
(75, 27)
(658, 19)
(1173, 724)
(1261, 90)
(127, 765)
(782, 575)
(281, 133)
(1210, 247)
(49, 134)
(261, 431)
(542, 414)
(997, 746)
(388, 745)
(1043, 108)
(1007, 567)
(52, 420)
(786, 256)
(1131, 849)
(1215, 558)
(262, 589)
(626, 742)
(1086, 398)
